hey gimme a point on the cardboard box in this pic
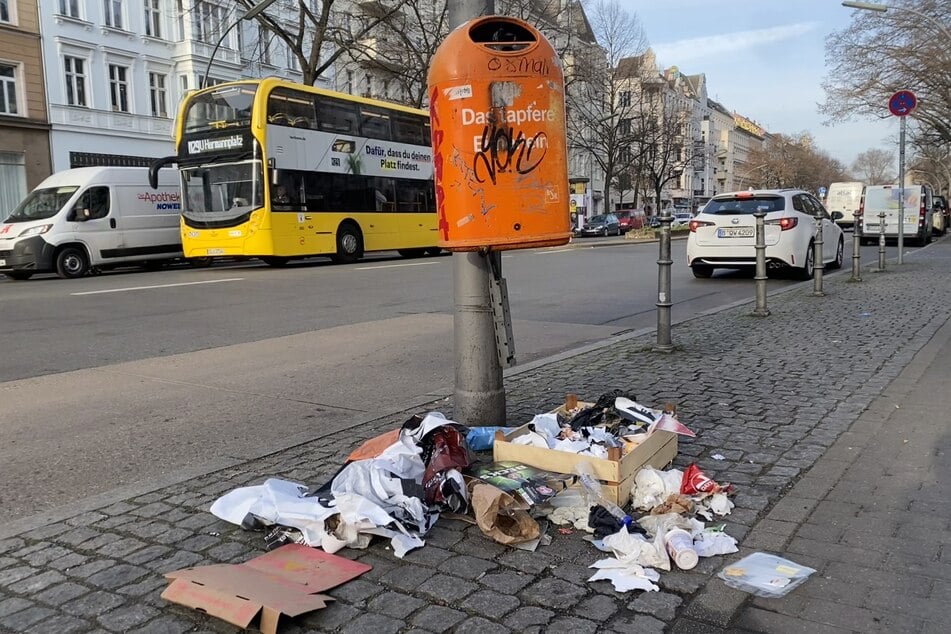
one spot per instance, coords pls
(283, 581)
(616, 472)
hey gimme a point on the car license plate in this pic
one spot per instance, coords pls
(216, 251)
(735, 232)
(3, 262)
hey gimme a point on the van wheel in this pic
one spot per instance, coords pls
(702, 272)
(71, 262)
(154, 265)
(19, 275)
(349, 244)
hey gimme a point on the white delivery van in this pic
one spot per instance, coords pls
(918, 211)
(845, 198)
(92, 217)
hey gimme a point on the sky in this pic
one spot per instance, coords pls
(764, 59)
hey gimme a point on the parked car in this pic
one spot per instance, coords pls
(846, 198)
(918, 208)
(942, 215)
(631, 219)
(723, 234)
(681, 219)
(602, 225)
(653, 222)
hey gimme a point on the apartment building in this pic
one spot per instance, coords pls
(117, 69)
(24, 128)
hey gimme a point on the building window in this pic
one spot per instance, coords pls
(264, 43)
(207, 23)
(157, 94)
(6, 13)
(12, 179)
(625, 99)
(153, 18)
(75, 81)
(349, 82)
(114, 13)
(69, 7)
(8, 89)
(119, 87)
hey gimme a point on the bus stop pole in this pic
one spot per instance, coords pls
(479, 396)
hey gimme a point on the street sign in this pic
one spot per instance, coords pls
(822, 192)
(902, 103)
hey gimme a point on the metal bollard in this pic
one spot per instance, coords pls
(761, 277)
(856, 245)
(663, 285)
(881, 241)
(818, 265)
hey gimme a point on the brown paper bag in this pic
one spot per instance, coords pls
(500, 517)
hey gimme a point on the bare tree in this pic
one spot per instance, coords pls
(906, 48)
(874, 166)
(604, 93)
(932, 163)
(663, 149)
(792, 161)
(316, 32)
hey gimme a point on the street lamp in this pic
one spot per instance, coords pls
(251, 14)
(883, 8)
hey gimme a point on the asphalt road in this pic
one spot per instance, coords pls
(114, 381)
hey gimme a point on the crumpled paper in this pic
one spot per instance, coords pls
(576, 516)
(661, 524)
(710, 543)
(652, 486)
(500, 517)
(717, 504)
(633, 548)
(625, 577)
(675, 503)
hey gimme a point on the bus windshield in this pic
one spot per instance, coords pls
(222, 192)
(226, 107)
(41, 204)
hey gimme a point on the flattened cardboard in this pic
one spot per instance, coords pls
(283, 581)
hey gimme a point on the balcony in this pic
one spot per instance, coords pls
(201, 50)
(107, 122)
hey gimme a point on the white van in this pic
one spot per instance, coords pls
(92, 217)
(845, 198)
(918, 210)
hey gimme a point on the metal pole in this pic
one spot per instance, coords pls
(818, 257)
(761, 277)
(479, 396)
(881, 241)
(856, 244)
(663, 285)
(901, 191)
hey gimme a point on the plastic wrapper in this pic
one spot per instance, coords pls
(697, 482)
(765, 575)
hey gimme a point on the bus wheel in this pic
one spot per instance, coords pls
(199, 263)
(19, 275)
(412, 253)
(71, 262)
(275, 261)
(349, 244)
(433, 251)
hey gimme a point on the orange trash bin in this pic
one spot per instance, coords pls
(497, 106)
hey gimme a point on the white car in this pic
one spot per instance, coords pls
(723, 234)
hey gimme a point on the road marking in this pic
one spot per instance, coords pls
(556, 251)
(391, 266)
(145, 288)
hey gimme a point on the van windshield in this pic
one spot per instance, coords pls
(41, 204)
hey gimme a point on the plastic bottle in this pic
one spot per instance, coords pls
(596, 497)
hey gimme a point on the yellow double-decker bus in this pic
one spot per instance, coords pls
(277, 170)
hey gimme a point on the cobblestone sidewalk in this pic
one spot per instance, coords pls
(771, 395)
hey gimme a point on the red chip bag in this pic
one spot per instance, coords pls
(696, 482)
